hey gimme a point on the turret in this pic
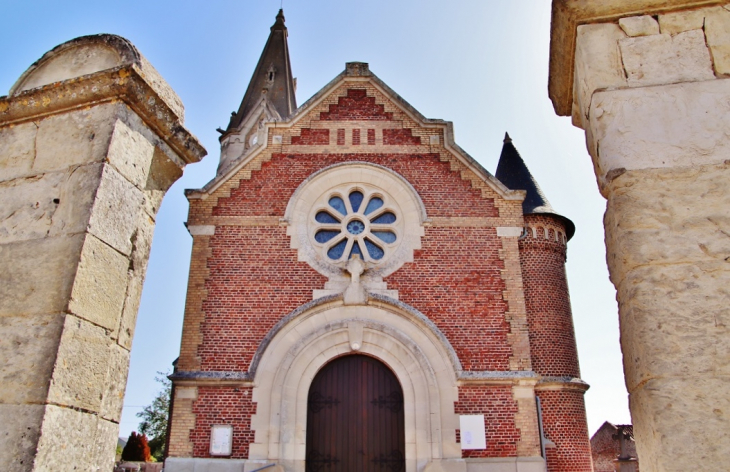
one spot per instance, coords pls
(543, 249)
(270, 96)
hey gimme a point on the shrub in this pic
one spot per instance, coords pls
(137, 449)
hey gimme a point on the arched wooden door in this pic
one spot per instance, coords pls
(355, 418)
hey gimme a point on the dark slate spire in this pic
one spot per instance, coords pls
(513, 173)
(271, 79)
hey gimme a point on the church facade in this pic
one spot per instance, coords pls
(364, 296)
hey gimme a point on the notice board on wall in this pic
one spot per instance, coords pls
(472, 431)
(221, 440)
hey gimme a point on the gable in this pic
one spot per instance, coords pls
(357, 113)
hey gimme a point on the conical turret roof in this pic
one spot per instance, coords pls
(513, 172)
(272, 78)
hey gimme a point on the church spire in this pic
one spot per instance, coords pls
(513, 172)
(272, 80)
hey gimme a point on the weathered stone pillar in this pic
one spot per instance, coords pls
(91, 138)
(648, 81)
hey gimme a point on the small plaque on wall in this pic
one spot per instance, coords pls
(221, 440)
(472, 432)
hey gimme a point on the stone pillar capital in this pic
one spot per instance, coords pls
(105, 68)
(567, 15)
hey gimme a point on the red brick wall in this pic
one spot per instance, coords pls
(311, 137)
(549, 317)
(499, 408)
(444, 192)
(605, 448)
(356, 105)
(460, 293)
(564, 423)
(398, 136)
(253, 269)
(254, 281)
(223, 405)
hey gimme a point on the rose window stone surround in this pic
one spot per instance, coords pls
(355, 209)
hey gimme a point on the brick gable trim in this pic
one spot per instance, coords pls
(347, 78)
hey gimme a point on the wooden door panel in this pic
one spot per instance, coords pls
(355, 420)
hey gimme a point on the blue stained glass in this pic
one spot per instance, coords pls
(355, 250)
(385, 219)
(336, 251)
(373, 204)
(375, 251)
(324, 217)
(338, 204)
(324, 236)
(385, 236)
(355, 227)
(356, 198)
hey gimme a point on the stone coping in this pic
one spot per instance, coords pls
(567, 15)
(122, 83)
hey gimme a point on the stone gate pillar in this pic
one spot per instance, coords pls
(91, 138)
(648, 82)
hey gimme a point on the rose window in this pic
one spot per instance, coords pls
(357, 222)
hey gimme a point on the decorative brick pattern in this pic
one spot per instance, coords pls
(516, 314)
(550, 320)
(181, 424)
(225, 406)
(398, 136)
(340, 137)
(311, 137)
(194, 315)
(499, 409)
(371, 137)
(564, 423)
(356, 106)
(526, 423)
(356, 137)
(444, 192)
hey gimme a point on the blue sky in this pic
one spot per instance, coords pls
(481, 64)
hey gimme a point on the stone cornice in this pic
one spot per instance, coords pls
(562, 383)
(567, 15)
(470, 378)
(212, 378)
(123, 83)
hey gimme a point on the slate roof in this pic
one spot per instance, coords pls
(276, 88)
(513, 172)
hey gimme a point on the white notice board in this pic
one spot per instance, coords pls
(221, 440)
(472, 432)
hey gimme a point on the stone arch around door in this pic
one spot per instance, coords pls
(390, 331)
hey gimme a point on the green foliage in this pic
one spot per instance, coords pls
(136, 449)
(154, 417)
